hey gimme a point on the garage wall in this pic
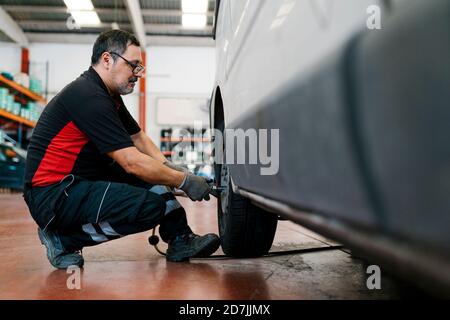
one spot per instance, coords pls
(182, 72)
(9, 57)
(177, 72)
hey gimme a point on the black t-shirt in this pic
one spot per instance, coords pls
(76, 130)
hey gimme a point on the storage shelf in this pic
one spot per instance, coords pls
(11, 116)
(21, 89)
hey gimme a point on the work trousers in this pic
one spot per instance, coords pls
(86, 213)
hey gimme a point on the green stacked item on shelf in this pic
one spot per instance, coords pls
(7, 75)
(9, 103)
(3, 94)
(16, 108)
(30, 107)
(38, 113)
(31, 111)
(34, 111)
(35, 85)
(23, 113)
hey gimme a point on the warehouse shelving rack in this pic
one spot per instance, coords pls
(168, 142)
(9, 120)
(193, 143)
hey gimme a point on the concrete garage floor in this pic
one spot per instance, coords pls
(129, 268)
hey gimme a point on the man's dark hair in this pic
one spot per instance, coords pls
(112, 40)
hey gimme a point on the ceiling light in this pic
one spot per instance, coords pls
(194, 21)
(194, 6)
(79, 5)
(86, 18)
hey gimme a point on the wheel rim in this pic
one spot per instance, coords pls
(224, 185)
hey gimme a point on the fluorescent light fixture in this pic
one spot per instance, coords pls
(194, 6)
(79, 5)
(194, 21)
(86, 18)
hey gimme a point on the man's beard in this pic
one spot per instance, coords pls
(125, 88)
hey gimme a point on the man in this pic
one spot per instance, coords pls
(93, 175)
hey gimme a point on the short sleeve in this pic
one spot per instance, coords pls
(128, 121)
(97, 117)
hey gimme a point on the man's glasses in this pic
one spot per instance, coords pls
(136, 67)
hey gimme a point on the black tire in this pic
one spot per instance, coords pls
(245, 229)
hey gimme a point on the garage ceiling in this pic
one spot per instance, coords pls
(50, 21)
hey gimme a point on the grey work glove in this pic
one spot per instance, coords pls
(196, 188)
(173, 166)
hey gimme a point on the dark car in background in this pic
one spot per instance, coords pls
(12, 167)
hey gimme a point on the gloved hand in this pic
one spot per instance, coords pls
(173, 166)
(196, 188)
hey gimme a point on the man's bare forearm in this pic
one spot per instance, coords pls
(146, 168)
(153, 171)
(145, 145)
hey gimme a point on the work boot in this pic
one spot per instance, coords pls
(56, 254)
(190, 245)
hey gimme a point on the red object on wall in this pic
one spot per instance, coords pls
(142, 96)
(25, 63)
